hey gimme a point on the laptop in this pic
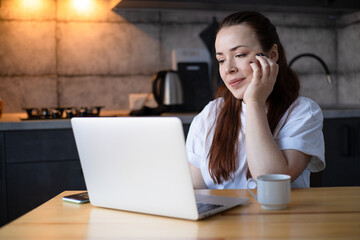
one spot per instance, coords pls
(139, 164)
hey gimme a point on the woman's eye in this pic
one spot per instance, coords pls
(220, 61)
(240, 55)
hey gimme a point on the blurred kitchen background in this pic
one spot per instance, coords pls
(97, 52)
(87, 53)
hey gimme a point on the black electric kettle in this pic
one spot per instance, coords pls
(167, 88)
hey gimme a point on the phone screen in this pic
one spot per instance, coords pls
(77, 198)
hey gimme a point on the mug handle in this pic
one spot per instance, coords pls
(251, 192)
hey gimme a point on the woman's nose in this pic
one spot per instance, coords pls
(230, 67)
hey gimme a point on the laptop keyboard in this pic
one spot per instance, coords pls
(204, 207)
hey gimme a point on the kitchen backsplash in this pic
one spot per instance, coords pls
(53, 54)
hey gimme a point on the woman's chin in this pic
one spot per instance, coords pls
(238, 95)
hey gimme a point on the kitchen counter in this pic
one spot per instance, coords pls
(12, 121)
(341, 113)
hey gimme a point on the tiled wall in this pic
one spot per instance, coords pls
(348, 59)
(53, 54)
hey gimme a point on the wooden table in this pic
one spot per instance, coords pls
(316, 213)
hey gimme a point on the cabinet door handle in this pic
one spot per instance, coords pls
(346, 141)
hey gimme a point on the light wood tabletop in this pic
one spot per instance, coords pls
(315, 213)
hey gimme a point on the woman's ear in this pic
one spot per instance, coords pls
(274, 53)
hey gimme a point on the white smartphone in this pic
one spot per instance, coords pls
(77, 198)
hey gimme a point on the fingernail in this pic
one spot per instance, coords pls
(260, 54)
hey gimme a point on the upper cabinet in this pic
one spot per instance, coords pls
(295, 6)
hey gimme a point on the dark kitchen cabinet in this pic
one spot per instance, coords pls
(36, 166)
(342, 152)
(3, 203)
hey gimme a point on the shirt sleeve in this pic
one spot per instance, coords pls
(195, 141)
(302, 130)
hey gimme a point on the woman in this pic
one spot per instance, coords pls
(258, 124)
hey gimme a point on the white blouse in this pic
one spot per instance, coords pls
(300, 128)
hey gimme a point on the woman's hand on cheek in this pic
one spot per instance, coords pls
(262, 83)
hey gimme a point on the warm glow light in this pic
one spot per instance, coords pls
(32, 4)
(82, 5)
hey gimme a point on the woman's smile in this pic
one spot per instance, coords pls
(236, 82)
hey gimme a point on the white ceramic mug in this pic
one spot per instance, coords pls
(273, 190)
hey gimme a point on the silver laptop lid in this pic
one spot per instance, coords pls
(136, 164)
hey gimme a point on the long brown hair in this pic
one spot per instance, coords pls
(224, 147)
